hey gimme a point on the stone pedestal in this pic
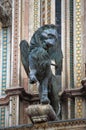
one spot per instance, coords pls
(41, 113)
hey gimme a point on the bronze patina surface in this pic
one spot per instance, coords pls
(36, 58)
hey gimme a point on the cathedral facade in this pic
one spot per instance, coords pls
(19, 19)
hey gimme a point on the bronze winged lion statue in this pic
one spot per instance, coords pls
(36, 58)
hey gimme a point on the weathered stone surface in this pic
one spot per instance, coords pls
(41, 113)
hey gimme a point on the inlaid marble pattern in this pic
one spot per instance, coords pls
(15, 43)
(79, 107)
(78, 57)
(48, 11)
(78, 42)
(0, 56)
(4, 71)
(2, 116)
(4, 60)
(36, 14)
(15, 62)
(60, 125)
(14, 110)
(42, 12)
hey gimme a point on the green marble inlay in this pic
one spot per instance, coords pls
(72, 102)
(71, 46)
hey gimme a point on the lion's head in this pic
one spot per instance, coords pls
(46, 37)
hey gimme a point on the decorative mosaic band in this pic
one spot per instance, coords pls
(36, 18)
(0, 57)
(78, 56)
(14, 110)
(3, 72)
(2, 116)
(78, 42)
(15, 62)
(48, 11)
(42, 12)
(79, 113)
(4, 60)
(15, 43)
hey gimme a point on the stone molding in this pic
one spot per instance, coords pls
(22, 94)
(74, 124)
(77, 92)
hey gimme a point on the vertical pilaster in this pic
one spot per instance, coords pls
(4, 69)
(23, 76)
(24, 35)
(34, 24)
(15, 61)
(14, 111)
(78, 57)
(65, 39)
(71, 61)
(9, 42)
(0, 56)
(4, 60)
(16, 13)
(64, 106)
(83, 41)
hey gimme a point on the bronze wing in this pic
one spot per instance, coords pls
(24, 51)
